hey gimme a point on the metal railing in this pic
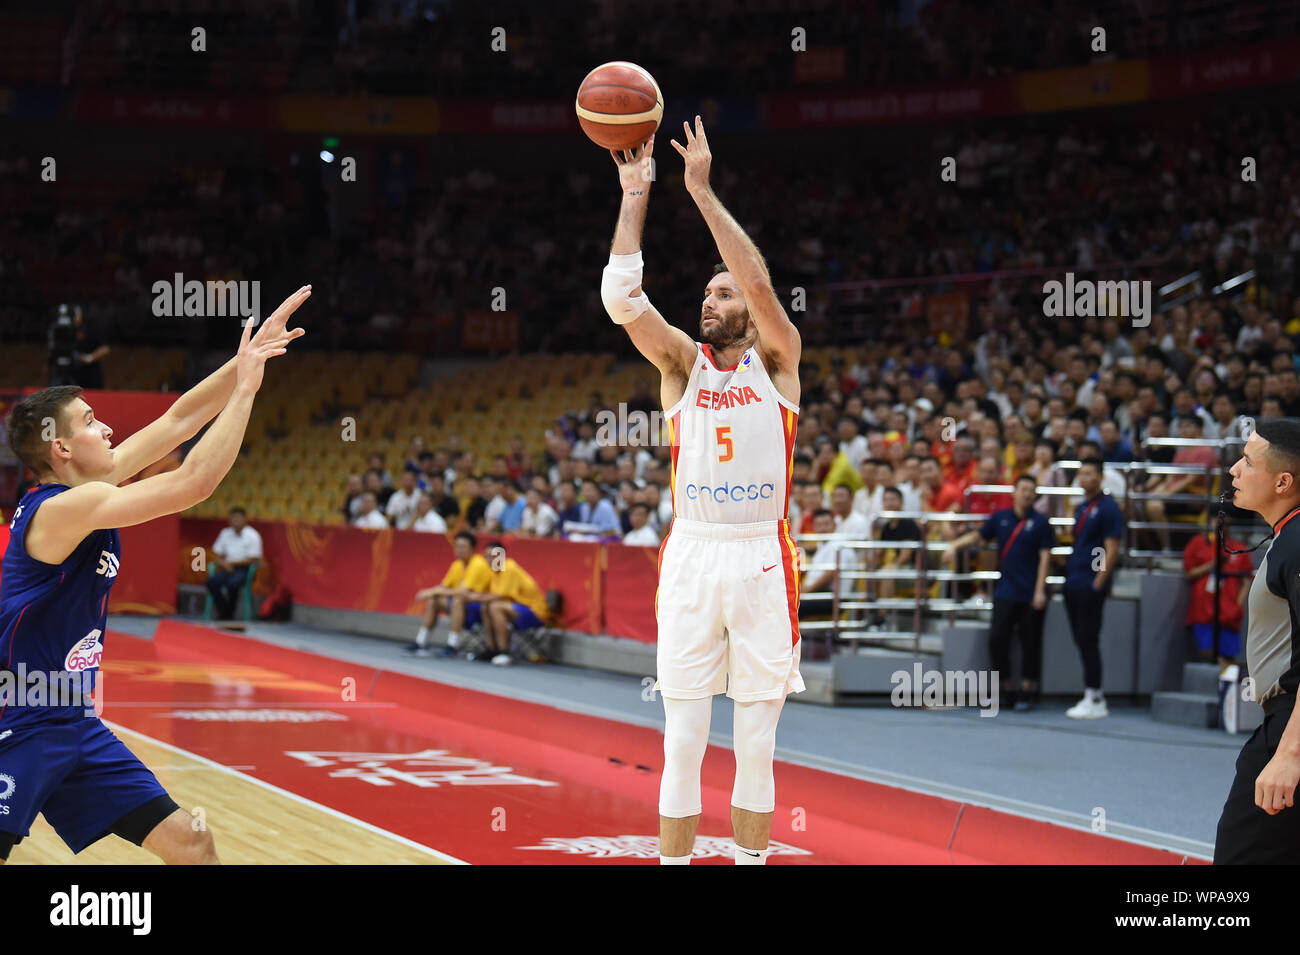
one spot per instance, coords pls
(845, 617)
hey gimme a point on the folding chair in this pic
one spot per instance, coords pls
(537, 644)
(473, 640)
(243, 601)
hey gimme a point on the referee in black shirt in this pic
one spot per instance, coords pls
(1260, 823)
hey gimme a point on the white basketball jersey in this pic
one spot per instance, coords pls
(732, 443)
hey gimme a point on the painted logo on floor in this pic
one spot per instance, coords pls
(647, 847)
(255, 716)
(427, 769)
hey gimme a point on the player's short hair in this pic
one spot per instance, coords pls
(1283, 437)
(473, 541)
(720, 268)
(25, 425)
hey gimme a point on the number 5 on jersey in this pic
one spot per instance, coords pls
(725, 442)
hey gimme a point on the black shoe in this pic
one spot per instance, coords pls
(413, 649)
(446, 652)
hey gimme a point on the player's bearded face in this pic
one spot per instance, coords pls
(724, 319)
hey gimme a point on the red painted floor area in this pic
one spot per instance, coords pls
(488, 779)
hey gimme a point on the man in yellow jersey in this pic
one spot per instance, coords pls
(469, 574)
(513, 599)
(728, 597)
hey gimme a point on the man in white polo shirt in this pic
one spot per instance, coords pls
(236, 547)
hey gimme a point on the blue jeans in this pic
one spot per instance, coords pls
(224, 585)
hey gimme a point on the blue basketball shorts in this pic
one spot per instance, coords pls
(76, 773)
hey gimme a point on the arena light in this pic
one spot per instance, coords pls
(326, 156)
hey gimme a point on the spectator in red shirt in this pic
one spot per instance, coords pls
(937, 495)
(961, 467)
(1198, 565)
(986, 502)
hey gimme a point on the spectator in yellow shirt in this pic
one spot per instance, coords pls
(513, 599)
(468, 575)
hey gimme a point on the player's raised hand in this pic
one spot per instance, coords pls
(273, 329)
(270, 340)
(635, 171)
(697, 156)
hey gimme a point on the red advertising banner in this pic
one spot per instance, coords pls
(146, 580)
(175, 109)
(1259, 64)
(347, 568)
(508, 116)
(631, 578)
(902, 105)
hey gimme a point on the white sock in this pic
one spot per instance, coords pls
(453, 640)
(674, 860)
(422, 637)
(1095, 696)
(749, 856)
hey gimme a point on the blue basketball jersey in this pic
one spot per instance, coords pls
(53, 616)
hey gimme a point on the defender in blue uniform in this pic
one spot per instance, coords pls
(57, 757)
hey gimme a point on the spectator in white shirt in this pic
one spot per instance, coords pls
(370, 516)
(821, 570)
(236, 547)
(909, 483)
(877, 474)
(584, 449)
(402, 505)
(428, 520)
(641, 534)
(539, 518)
(852, 442)
(848, 523)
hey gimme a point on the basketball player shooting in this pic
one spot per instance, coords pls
(56, 757)
(727, 602)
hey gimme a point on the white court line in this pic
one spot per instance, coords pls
(409, 843)
(245, 705)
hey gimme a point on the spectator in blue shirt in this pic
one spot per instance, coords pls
(1114, 449)
(1098, 527)
(597, 519)
(1025, 540)
(513, 513)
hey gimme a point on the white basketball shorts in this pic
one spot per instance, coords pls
(728, 611)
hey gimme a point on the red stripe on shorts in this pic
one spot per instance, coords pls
(790, 564)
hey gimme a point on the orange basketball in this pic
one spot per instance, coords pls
(619, 105)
